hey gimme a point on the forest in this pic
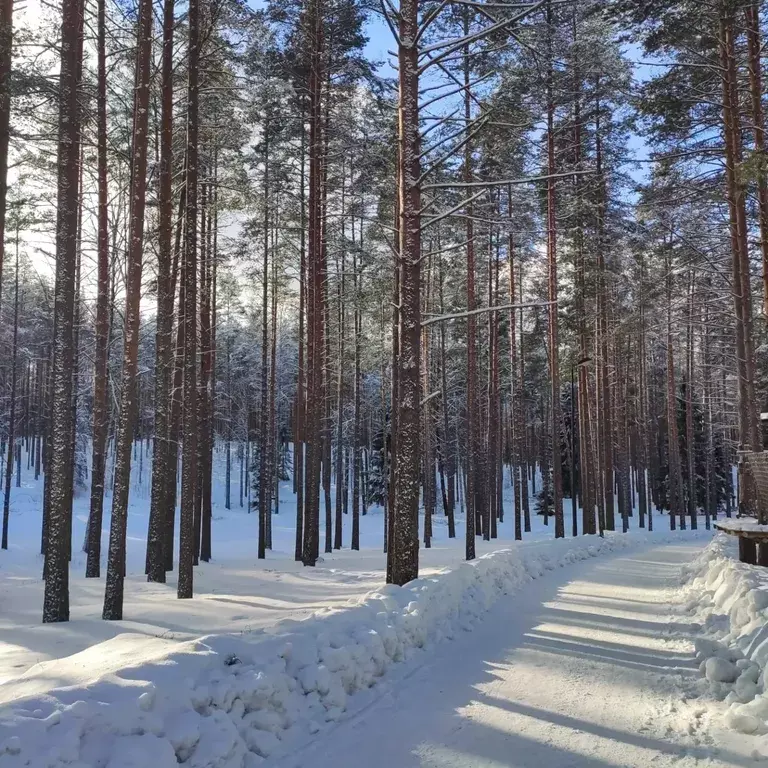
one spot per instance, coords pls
(436, 261)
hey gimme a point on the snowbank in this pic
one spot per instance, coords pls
(729, 600)
(232, 701)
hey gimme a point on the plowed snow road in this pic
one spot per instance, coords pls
(583, 669)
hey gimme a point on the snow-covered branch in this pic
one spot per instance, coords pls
(504, 182)
(485, 311)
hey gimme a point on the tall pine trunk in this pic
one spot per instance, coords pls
(101, 361)
(59, 508)
(404, 552)
(554, 357)
(113, 596)
(162, 454)
(189, 364)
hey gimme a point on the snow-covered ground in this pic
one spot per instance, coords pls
(230, 700)
(233, 593)
(581, 669)
(575, 666)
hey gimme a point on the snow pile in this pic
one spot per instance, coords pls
(232, 701)
(729, 599)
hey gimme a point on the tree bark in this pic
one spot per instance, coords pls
(554, 356)
(12, 405)
(58, 518)
(113, 596)
(189, 394)
(315, 314)
(405, 508)
(161, 450)
(473, 508)
(6, 49)
(101, 362)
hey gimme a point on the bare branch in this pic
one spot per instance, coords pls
(451, 211)
(484, 311)
(504, 182)
(457, 44)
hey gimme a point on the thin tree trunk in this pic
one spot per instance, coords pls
(12, 404)
(264, 406)
(522, 437)
(101, 362)
(689, 436)
(314, 294)
(189, 404)
(6, 48)
(341, 488)
(676, 506)
(273, 443)
(298, 446)
(113, 596)
(605, 436)
(515, 454)
(752, 17)
(449, 456)
(554, 357)
(472, 440)
(357, 387)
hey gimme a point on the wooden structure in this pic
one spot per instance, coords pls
(753, 538)
(752, 527)
(753, 482)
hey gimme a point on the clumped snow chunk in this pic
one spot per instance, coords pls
(719, 670)
(233, 701)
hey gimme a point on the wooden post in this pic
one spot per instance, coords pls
(747, 551)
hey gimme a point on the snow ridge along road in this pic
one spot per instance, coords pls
(579, 682)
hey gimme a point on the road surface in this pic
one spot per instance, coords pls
(585, 668)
